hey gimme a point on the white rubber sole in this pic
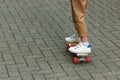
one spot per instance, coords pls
(82, 54)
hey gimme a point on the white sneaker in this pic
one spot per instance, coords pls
(81, 49)
(73, 38)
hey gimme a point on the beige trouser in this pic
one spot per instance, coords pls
(78, 13)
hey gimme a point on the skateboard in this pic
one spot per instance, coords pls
(78, 58)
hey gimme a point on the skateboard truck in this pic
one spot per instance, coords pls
(77, 60)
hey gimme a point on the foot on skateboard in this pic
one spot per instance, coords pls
(79, 58)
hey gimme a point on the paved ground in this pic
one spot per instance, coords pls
(32, 45)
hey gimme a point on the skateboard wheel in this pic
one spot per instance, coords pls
(76, 60)
(87, 59)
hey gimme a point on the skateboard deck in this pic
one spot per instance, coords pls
(78, 58)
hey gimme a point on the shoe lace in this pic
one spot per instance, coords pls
(79, 45)
(73, 36)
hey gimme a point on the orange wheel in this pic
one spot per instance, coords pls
(87, 59)
(76, 60)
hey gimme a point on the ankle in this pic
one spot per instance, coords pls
(84, 39)
(85, 43)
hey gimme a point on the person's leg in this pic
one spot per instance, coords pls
(73, 2)
(78, 11)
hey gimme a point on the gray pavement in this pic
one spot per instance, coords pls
(32, 45)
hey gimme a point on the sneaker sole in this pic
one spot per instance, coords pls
(82, 54)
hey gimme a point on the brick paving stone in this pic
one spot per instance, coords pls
(111, 78)
(84, 74)
(44, 65)
(70, 78)
(55, 75)
(39, 77)
(98, 77)
(56, 68)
